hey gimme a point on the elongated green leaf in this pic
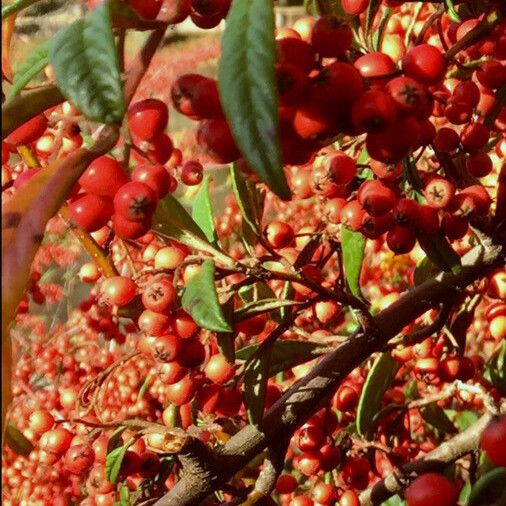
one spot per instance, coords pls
(262, 306)
(424, 270)
(378, 381)
(200, 300)
(462, 419)
(16, 6)
(243, 193)
(452, 13)
(115, 439)
(436, 416)
(172, 220)
(256, 374)
(440, 252)
(17, 442)
(113, 463)
(226, 339)
(202, 212)
(144, 388)
(370, 14)
(353, 245)
(86, 68)
(489, 489)
(34, 64)
(248, 90)
(124, 496)
(286, 354)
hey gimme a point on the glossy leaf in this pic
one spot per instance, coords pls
(113, 463)
(435, 416)
(256, 374)
(85, 63)
(200, 300)
(172, 220)
(248, 90)
(244, 194)
(353, 245)
(202, 212)
(440, 252)
(144, 387)
(378, 381)
(489, 489)
(226, 340)
(262, 306)
(17, 441)
(34, 64)
(124, 496)
(286, 354)
(115, 439)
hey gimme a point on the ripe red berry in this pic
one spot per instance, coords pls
(90, 212)
(479, 164)
(127, 229)
(79, 458)
(354, 7)
(160, 296)
(165, 348)
(352, 215)
(181, 392)
(192, 173)
(119, 290)
(374, 64)
(401, 239)
(373, 111)
(148, 118)
(147, 9)
(160, 149)
(492, 74)
(376, 198)
(424, 63)
(409, 95)
(155, 176)
(135, 201)
(215, 137)
(446, 140)
(104, 177)
(474, 136)
(295, 52)
(286, 484)
(279, 234)
(431, 488)
(56, 441)
(439, 192)
(331, 36)
(493, 441)
(219, 370)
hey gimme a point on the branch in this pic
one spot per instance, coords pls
(317, 388)
(436, 460)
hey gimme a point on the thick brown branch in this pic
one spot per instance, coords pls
(316, 389)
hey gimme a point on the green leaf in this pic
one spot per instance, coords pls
(411, 390)
(495, 369)
(435, 416)
(256, 291)
(489, 489)
(16, 6)
(226, 340)
(256, 374)
(451, 12)
(353, 245)
(244, 192)
(248, 90)
(394, 501)
(86, 68)
(440, 252)
(115, 439)
(17, 441)
(200, 300)
(172, 220)
(286, 354)
(465, 491)
(370, 14)
(113, 463)
(262, 306)
(462, 419)
(124, 496)
(378, 381)
(287, 293)
(202, 212)
(30, 67)
(144, 388)
(424, 270)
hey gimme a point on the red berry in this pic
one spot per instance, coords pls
(155, 176)
(126, 229)
(295, 52)
(90, 212)
(374, 64)
(401, 240)
(79, 458)
(192, 173)
(135, 201)
(147, 9)
(119, 290)
(331, 36)
(219, 370)
(160, 296)
(474, 136)
(148, 118)
(424, 63)
(215, 137)
(376, 198)
(431, 488)
(279, 234)
(439, 192)
(160, 149)
(373, 111)
(104, 177)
